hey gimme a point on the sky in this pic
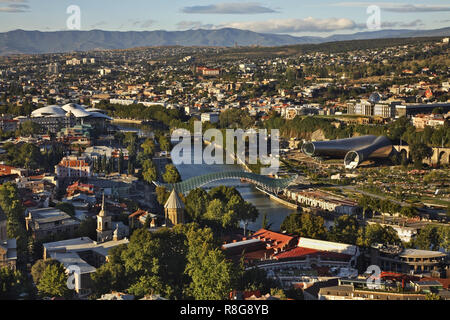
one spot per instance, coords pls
(295, 17)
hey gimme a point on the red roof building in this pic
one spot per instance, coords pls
(274, 240)
(73, 167)
(299, 253)
(78, 188)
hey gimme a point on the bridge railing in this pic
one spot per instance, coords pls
(266, 183)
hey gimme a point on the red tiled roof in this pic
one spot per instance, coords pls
(275, 239)
(42, 176)
(73, 163)
(302, 252)
(140, 212)
(5, 170)
(295, 253)
(29, 203)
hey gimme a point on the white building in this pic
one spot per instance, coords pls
(210, 117)
(74, 253)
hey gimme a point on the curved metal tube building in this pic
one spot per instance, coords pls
(353, 150)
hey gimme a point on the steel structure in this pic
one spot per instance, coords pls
(353, 150)
(264, 182)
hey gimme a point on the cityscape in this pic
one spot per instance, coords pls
(234, 162)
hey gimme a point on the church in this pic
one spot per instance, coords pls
(174, 210)
(86, 254)
(104, 224)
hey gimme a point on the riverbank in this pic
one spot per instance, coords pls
(118, 120)
(279, 200)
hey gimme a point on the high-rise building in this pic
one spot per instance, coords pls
(364, 108)
(384, 110)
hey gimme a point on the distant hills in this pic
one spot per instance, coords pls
(31, 42)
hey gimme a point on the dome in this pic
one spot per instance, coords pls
(375, 97)
(95, 110)
(77, 110)
(99, 115)
(49, 111)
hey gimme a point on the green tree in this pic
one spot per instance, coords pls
(120, 163)
(216, 212)
(27, 156)
(164, 143)
(429, 238)
(364, 203)
(345, 230)
(38, 268)
(11, 204)
(210, 271)
(109, 277)
(438, 110)
(409, 211)
(444, 235)
(11, 284)
(234, 202)
(196, 203)
(130, 169)
(149, 172)
(252, 279)
(265, 222)
(305, 225)
(162, 195)
(112, 275)
(149, 147)
(418, 152)
(155, 262)
(432, 296)
(130, 140)
(53, 281)
(28, 128)
(292, 223)
(376, 233)
(171, 175)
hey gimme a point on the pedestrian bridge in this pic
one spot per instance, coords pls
(264, 182)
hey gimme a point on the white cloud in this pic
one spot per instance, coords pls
(229, 8)
(309, 24)
(14, 6)
(398, 7)
(396, 24)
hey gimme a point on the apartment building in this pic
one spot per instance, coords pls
(73, 167)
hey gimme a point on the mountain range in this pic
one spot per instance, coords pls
(34, 42)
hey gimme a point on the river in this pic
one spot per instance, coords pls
(274, 211)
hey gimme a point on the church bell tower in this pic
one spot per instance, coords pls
(104, 224)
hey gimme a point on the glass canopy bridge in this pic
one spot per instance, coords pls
(263, 182)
